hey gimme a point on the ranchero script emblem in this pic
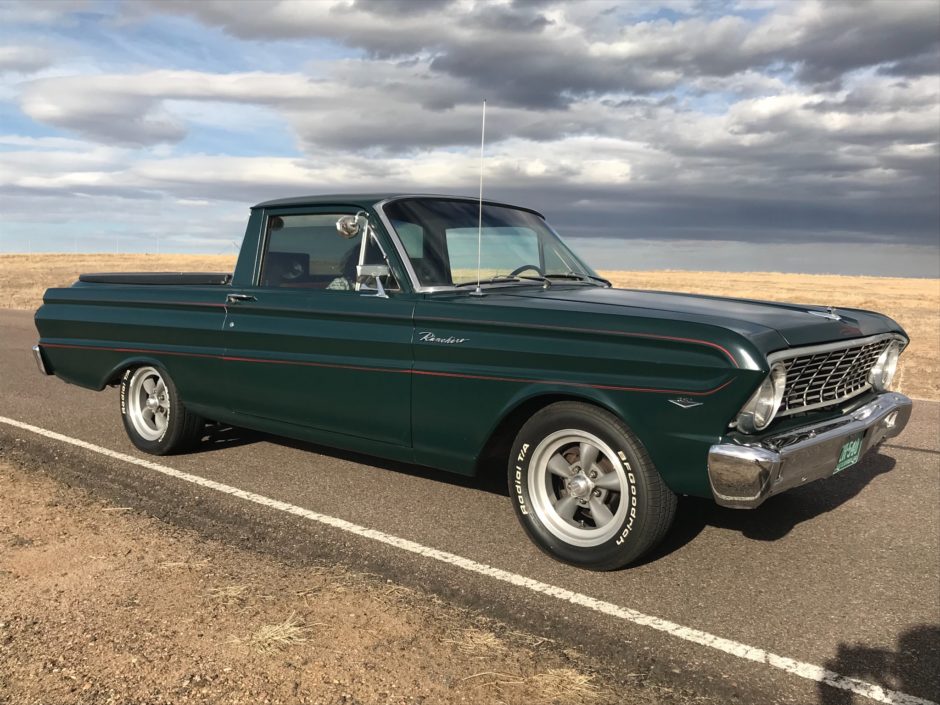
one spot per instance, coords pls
(429, 337)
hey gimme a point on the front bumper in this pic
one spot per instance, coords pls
(743, 476)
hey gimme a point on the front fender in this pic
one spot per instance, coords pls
(677, 436)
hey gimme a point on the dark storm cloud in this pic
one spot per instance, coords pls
(542, 76)
(852, 35)
(670, 212)
(807, 122)
(926, 64)
(394, 8)
(507, 51)
(510, 19)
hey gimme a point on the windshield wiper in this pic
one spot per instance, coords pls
(590, 278)
(505, 278)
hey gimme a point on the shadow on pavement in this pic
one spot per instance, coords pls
(220, 437)
(771, 521)
(912, 669)
(778, 516)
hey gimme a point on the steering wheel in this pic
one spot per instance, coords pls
(519, 270)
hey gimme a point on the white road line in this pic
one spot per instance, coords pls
(734, 648)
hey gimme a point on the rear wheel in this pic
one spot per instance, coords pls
(154, 416)
(585, 489)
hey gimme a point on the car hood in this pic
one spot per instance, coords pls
(798, 325)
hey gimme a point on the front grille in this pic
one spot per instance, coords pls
(830, 376)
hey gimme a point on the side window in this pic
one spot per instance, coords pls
(307, 252)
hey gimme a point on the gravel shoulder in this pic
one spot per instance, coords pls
(101, 603)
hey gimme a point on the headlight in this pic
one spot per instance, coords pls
(882, 372)
(761, 408)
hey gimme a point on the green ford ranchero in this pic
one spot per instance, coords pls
(434, 330)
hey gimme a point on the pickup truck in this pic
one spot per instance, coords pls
(469, 337)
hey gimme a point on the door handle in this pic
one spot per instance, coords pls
(239, 298)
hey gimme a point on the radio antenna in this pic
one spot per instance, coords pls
(479, 291)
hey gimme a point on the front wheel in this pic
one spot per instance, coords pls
(153, 413)
(585, 489)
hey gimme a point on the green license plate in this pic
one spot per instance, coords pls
(849, 455)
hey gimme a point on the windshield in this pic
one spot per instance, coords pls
(440, 238)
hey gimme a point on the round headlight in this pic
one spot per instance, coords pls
(762, 407)
(882, 372)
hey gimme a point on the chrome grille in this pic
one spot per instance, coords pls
(829, 376)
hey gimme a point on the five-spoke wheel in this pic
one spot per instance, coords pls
(585, 489)
(154, 416)
(148, 406)
(577, 487)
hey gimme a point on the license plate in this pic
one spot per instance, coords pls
(849, 455)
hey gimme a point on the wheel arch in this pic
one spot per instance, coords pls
(499, 440)
(113, 377)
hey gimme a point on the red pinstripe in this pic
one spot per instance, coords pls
(600, 331)
(426, 373)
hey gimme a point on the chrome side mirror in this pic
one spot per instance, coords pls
(367, 272)
(349, 226)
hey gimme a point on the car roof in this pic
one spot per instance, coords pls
(370, 199)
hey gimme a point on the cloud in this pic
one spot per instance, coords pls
(561, 51)
(789, 122)
(827, 39)
(612, 187)
(40, 11)
(926, 64)
(129, 109)
(397, 8)
(860, 161)
(23, 59)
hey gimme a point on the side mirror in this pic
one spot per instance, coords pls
(365, 272)
(349, 226)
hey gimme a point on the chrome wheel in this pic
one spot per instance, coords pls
(148, 403)
(578, 487)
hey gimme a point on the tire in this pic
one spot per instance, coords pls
(153, 413)
(601, 517)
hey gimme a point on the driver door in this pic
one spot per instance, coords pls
(305, 348)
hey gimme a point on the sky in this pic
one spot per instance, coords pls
(681, 134)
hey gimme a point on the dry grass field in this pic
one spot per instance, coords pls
(24, 278)
(914, 303)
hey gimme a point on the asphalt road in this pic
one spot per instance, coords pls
(843, 574)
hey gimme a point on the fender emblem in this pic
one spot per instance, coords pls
(685, 402)
(429, 337)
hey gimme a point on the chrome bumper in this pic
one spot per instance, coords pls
(743, 476)
(40, 363)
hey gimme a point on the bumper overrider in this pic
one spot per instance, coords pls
(40, 360)
(743, 476)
